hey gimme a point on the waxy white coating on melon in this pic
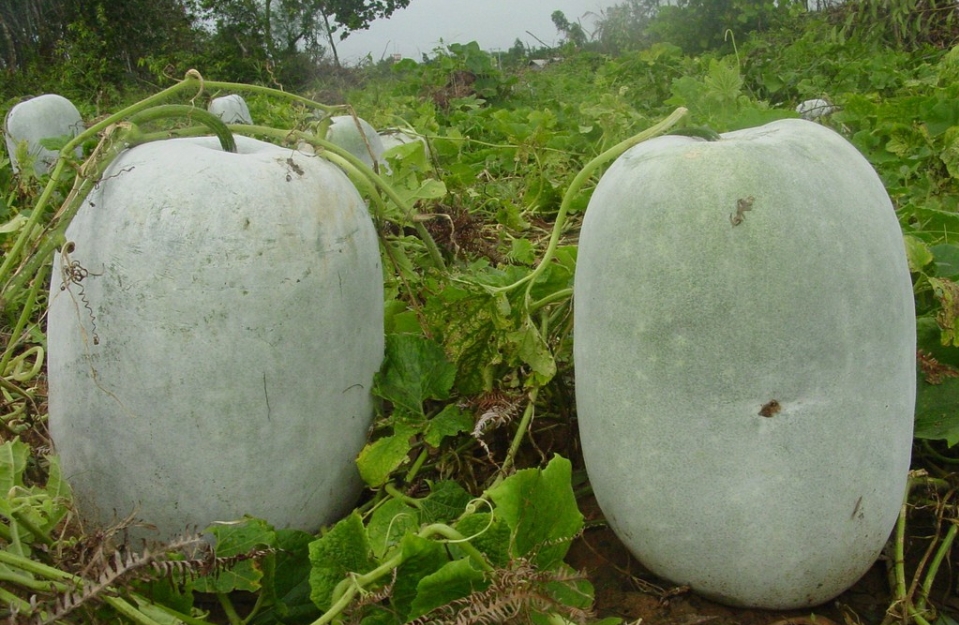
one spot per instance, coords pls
(235, 323)
(366, 146)
(46, 116)
(232, 109)
(713, 279)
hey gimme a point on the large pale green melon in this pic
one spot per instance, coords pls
(47, 116)
(745, 361)
(212, 353)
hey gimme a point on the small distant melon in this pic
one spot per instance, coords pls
(356, 136)
(232, 109)
(43, 117)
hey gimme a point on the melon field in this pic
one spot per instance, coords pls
(467, 497)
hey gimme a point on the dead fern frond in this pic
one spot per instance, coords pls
(379, 597)
(933, 370)
(115, 571)
(511, 597)
(496, 409)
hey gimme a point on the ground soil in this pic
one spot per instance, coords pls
(625, 589)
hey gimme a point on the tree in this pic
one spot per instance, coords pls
(699, 25)
(281, 30)
(354, 15)
(574, 31)
(86, 45)
(116, 35)
(623, 27)
(28, 29)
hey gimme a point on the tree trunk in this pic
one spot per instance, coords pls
(268, 26)
(329, 37)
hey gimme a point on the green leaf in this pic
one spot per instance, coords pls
(55, 144)
(389, 523)
(291, 576)
(237, 538)
(233, 539)
(577, 592)
(929, 340)
(723, 81)
(446, 501)
(947, 259)
(449, 422)
(411, 155)
(244, 576)
(342, 550)
(377, 460)
(380, 615)
(169, 593)
(482, 330)
(950, 153)
(532, 349)
(558, 276)
(13, 460)
(454, 580)
(154, 614)
(947, 292)
(939, 221)
(522, 251)
(470, 323)
(415, 370)
(57, 487)
(489, 534)
(918, 253)
(427, 190)
(939, 114)
(421, 558)
(14, 225)
(936, 414)
(539, 507)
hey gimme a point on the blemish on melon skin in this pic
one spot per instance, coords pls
(743, 204)
(770, 408)
(856, 509)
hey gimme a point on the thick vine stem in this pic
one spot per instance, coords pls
(906, 608)
(578, 181)
(941, 553)
(211, 121)
(348, 588)
(153, 108)
(63, 582)
(521, 429)
(18, 329)
(192, 80)
(20, 606)
(356, 169)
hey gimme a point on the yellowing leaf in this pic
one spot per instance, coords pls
(918, 253)
(383, 456)
(947, 292)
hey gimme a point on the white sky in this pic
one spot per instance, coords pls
(494, 24)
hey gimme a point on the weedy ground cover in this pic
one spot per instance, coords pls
(475, 481)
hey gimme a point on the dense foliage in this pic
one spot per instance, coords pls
(100, 46)
(472, 466)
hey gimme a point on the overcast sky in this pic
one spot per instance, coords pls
(494, 24)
